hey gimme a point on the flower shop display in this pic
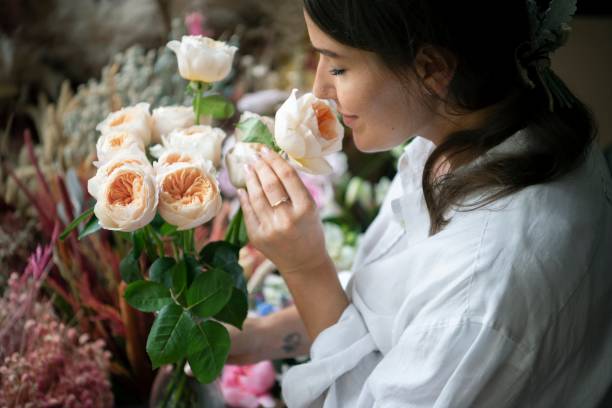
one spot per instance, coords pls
(158, 263)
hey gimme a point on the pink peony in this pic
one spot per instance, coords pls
(247, 386)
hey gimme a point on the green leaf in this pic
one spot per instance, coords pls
(193, 269)
(129, 268)
(235, 311)
(217, 107)
(170, 335)
(147, 296)
(224, 255)
(179, 277)
(75, 223)
(209, 292)
(209, 346)
(160, 271)
(92, 226)
(255, 131)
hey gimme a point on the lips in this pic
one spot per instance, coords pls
(348, 120)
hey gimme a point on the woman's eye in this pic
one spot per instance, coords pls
(336, 71)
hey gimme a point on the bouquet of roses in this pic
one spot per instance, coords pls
(192, 292)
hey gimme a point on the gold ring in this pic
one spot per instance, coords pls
(279, 202)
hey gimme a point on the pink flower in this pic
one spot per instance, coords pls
(195, 24)
(247, 386)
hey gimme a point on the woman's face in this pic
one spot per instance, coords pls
(378, 107)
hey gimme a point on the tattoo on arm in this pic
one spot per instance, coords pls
(291, 342)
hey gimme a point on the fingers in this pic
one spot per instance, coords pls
(257, 197)
(250, 217)
(289, 178)
(273, 187)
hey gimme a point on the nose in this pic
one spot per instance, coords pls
(323, 86)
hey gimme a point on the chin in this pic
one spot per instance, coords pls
(369, 145)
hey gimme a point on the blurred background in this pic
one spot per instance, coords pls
(66, 64)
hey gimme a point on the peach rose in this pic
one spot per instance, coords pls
(307, 129)
(133, 119)
(125, 192)
(188, 193)
(112, 143)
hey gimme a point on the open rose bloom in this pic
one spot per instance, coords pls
(203, 59)
(134, 119)
(125, 192)
(189, 194)
(110, 144)
(307, 129)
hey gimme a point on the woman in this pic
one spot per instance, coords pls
(486, 278)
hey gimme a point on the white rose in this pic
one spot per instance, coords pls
(110, 144)
(133, 119)
(203, 59)
(169, 118)
(266, 120)
(125, 193)
(241, 154)
(189, 195)
(307, 129)
(203, 140)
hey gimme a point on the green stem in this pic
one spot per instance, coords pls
(170, 387)
(181, 384)
(157, 240)
(198, 102)
(188, 241)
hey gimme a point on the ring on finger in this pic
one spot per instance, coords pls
(279, 202)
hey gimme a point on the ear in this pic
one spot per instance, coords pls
(435, 68)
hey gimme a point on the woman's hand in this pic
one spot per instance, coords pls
(282, 222)
(281, 217)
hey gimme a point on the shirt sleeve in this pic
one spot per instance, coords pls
(453, 364)
(450, 364)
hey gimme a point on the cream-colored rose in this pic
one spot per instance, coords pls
(188, 193)
(130, 155)
(203, 140)
(172, 156)
(202, 58)
(307, 129)
(239, 155)
(133, 119)
(125, 193)
(169, 118)
(110, 144)
(266, 120)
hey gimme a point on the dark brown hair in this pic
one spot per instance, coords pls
(483, 37)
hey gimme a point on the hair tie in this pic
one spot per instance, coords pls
(549, 30)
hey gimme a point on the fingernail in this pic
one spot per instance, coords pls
(241, 192)
(247, 168)
(265, 151)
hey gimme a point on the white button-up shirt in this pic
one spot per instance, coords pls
(509, 305)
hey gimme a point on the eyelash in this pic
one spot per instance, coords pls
(337, 72)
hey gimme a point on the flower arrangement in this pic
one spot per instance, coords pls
(192, 291)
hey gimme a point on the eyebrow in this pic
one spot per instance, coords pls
(327, 52)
